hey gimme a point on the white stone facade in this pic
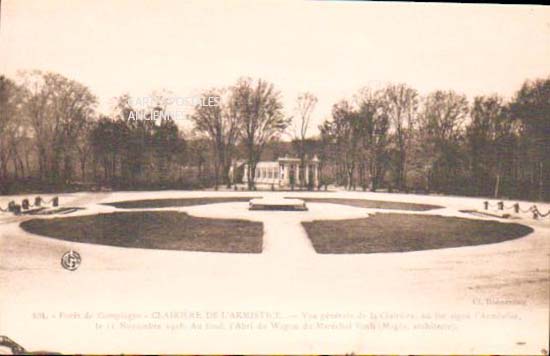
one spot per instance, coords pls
(286, 172)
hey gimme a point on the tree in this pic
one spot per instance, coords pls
(441, 123)
(327, 153)
(257, 107)
(84, 149)
(490, 139)
(108, 138)
(531, 106)
(373, 127)
(344, 129)
(401, 103)
(359, 135)
(58, 109)
(221, 124)
(136, 128)
(166, 145)
(305, 104)
(11, 121)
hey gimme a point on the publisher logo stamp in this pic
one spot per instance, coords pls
(71, 260)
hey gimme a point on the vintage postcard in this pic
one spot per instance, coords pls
(274, 177)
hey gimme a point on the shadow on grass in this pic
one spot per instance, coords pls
(372, 204)
(164, 230)
(406, 232)
(172, 203)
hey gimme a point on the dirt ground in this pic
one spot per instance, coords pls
(494, 297)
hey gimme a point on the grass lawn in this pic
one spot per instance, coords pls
(166, 230)
(170, 203)
(406, 232)
(373, 204)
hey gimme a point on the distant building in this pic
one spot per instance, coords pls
(286, 172)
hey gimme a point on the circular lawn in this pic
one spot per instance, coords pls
(166, 230)
(387, 232)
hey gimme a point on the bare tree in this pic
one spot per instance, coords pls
(220, 123)
(84, 149)
(258, 108)
(531, 105)
(441, 125)
(344, 129)
(401, 104)
(372, 129)
(58, 109)
(10, 123)
(305, 104)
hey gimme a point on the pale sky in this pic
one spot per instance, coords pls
(329, 48)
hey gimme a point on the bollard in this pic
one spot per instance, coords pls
(25, 204)
(55, 201)
(500, 205)
(11, 206)
(486, 204)
(37, 201)
(17, 209)
(516, 208)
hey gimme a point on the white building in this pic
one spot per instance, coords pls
(286, 172)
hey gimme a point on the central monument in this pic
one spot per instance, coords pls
(277, 204)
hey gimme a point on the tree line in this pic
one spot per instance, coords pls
(53, 138)
(441, 143)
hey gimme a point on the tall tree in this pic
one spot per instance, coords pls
(84, 149)
(136, 127)
(531, 106)
(166, 145)
(258, 108)
(305, 104)
(58, 109)
(401, 104)
(11, 121)
(490, 137)
(373, 129)
(344, 129)
(327, 154)
(220, 123)
(108, 138)
(442, 120)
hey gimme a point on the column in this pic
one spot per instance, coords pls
(316, 175)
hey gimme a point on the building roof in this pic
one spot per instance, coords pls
(267, 164)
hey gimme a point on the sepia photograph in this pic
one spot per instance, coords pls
(274, 177)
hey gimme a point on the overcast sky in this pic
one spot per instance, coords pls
(329, 48)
